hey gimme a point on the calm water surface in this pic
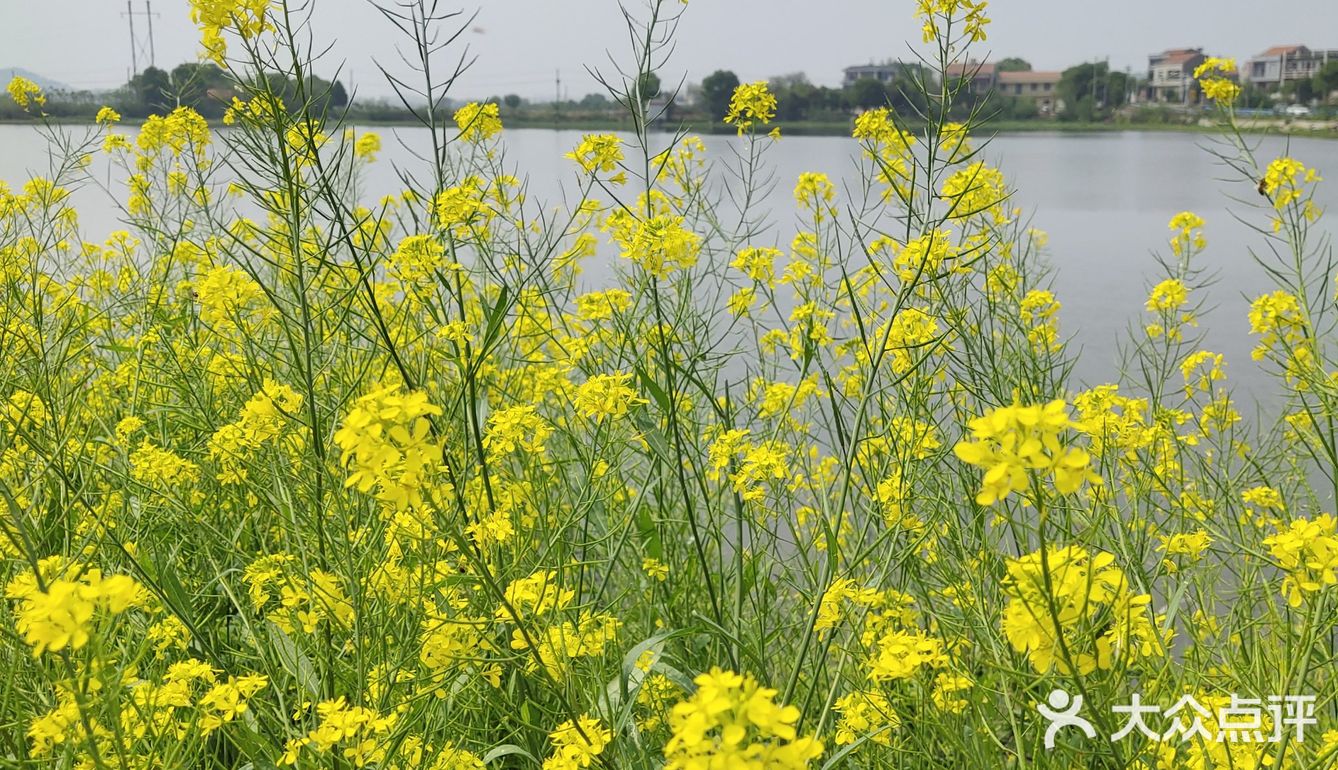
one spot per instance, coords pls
(1105, 199)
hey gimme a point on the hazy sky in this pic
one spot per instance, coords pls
(520, 43)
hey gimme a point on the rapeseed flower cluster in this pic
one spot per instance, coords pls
(248, 18)
(1290, 184)
(365, 145)
(660, 245)
(1201, 369)
(600, 154)
(1013, 442)
(1187, 238)
(732, 721)
(1217, 79)
(935, 14)
(417, 258)
(751, 104)
(1307, 551)
(606, 396)
(229, 298)
(478, 122)
(354, 733)
(386, 443)
(889, 147)
(865, 713)
(25, 93)
(1276, 317)
(60, 614)
(912, 337)
(1168, 301)
(577, 743)
(925, 257)
(1039, 312)
(516, 429)
(1074, 611)
(975, 189)
(263, 419)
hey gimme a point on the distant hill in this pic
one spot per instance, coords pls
(47, 84)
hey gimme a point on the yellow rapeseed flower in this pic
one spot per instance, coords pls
(1216, 77)
(1012, 441)
(478, 122)
(25, 93)
(969, 14)
(732, 721)
(1307, 550)
(752, 103)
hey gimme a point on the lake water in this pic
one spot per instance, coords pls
(1105, 199)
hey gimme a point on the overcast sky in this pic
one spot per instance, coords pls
(520, 44)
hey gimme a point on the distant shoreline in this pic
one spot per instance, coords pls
(841, 128)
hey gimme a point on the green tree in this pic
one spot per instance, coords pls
(1013, 64)
(191, 83)
(512, 101)
(1253, 97)
(1326, 81)
(1090, 91)
(1114, 91)
(717, 88)
(1012, 108)
(152, 89)
(1300, 91)
(648, 86)
(315, 96)
(794, 96)
(867, 93)
(906, 94)
(595, 101)
(338, 96)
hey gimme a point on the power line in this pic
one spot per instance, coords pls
(140, 47)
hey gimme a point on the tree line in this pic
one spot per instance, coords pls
(202, 86)
(1088, 92)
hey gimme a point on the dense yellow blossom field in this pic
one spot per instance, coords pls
(290, 478)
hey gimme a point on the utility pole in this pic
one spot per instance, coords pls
(130, 14)
(557, 94)
(148, 15)
(140, 47)
(1095, 76)
(1105, 85)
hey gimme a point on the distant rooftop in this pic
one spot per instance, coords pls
(972, 68)
(1177, 55)
(1031, 76)
(1279, 50)
(871, 66)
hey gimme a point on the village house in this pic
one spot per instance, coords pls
(981, 75)
(1039, 87)
(1282, 64)
(1171, 75)
(887, 72)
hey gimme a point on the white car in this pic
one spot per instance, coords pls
(1296, 111)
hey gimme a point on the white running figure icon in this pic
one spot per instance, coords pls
(1063, 712)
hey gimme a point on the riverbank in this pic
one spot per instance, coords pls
(1316, 129)
(1312, 129)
